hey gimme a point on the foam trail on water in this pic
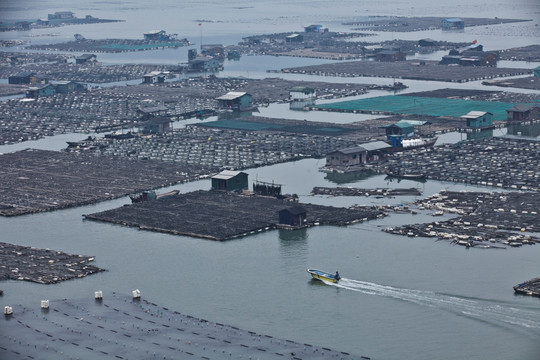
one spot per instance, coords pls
(478, 308)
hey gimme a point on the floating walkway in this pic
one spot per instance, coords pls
(124, 327)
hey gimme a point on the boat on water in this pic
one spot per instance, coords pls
(399, 143)
(324, 276)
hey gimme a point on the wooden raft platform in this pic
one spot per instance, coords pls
(219, 215)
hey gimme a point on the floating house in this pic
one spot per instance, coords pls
(156, 125)
(154, 77)
(230, 181)
(426, 42)
(301, 93)
(390, 55)
(85, 58)
(156, 35)
(471, 55)
(236, 101)
(315, 29)
(61, 15)
(357, 155)
(39, 91)
(479, 119)
(146, 113)
(26, 78)
(395, 133)
(452, 24)
(294, 38)
(294, 216)
(202, 63)
(523, 112)
(66, 87)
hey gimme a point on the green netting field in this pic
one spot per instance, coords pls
(415, 105)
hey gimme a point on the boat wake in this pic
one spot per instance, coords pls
(484, 309)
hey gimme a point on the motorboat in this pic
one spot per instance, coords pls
(324, 276)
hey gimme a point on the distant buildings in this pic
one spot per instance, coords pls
(523, 112)
(65, 87)
(61, 15)
(159, 35)
(236, 101)
(390, 55)
(26, 78)
(230, 180)
(426, 42)
(472, 55)
(357, 155)
(479, 119)
(294, 216)
(146, 113)
(294, 38)
(58, 87)
(154, 77)
(452, 24)
(154, 35)
(301, 93)
(85, 58)
(39, 91)
(204, 63)
(315, 28)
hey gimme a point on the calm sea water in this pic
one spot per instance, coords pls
(401, 297)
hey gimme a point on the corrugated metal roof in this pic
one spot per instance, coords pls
(231, 95)
(522, 107)
(295, 210)
(303, 89)
(401, 125)
(474, 114)
(226, 174)
(351, 150)
(149, 110)
(414, 122)
(375, 145)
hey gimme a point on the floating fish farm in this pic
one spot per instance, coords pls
(40, 180)
(42, 266)
(483, 220)
(508, 163)
(220, 215)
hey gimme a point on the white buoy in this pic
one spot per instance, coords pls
(136, 294)
(8, 310)
(98, 295)
(44, 304)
